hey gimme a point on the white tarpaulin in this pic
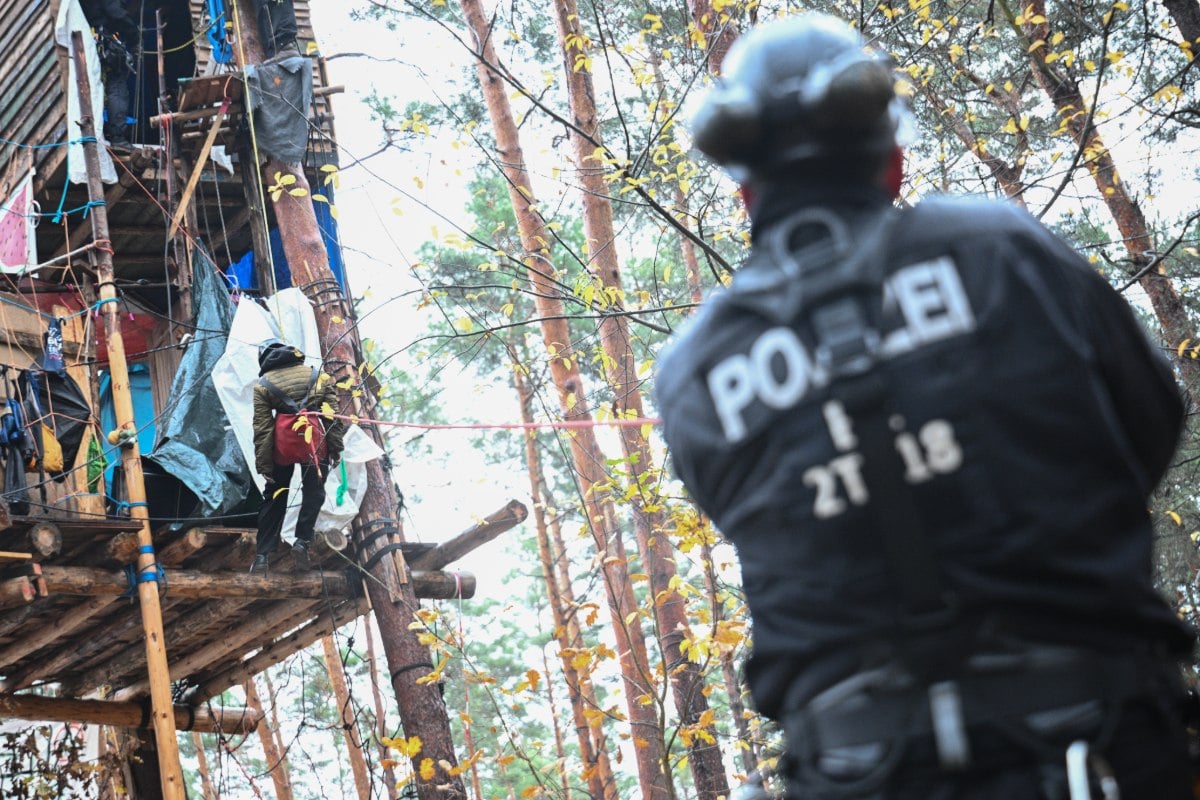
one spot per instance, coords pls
(291, 320)
(18, 238)
(70, 19)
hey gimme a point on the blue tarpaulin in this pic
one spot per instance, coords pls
(242, 274)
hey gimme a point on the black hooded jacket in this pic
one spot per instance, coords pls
(113, 17)
(1031, 415)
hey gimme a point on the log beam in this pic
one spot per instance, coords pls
(229, 721)
(245, 635)
(278, 650)
(197, 584)
(496, 523)
(171, 555)
(45, 540)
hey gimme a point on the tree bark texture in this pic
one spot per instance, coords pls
(350, 734)
(422, 709)
(276, 764)
(1064, 92)
(593, 746)
(535, 238)
(649, 518)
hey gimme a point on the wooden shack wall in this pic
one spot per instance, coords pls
(33, 108)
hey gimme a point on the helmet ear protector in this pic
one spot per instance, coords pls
(842, 102)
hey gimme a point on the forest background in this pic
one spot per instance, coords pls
(525, 226)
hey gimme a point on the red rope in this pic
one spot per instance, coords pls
(476, 426)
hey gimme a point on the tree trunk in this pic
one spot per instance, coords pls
(1131, 222)
(749, 750)
(1186, 14)
(560, 750)
(207, 789)
(653, 768)
(593, 747)
(381, 731)
(354, 745)
(266, 736)
(719, 32)
(650, 523)
(422, 709)
(276, 730)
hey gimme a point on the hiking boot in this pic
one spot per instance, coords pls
(260, 566)
(300, 554)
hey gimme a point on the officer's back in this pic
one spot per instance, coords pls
(944, 391)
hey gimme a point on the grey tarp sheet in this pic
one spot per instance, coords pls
(280, 94)
(196, 443)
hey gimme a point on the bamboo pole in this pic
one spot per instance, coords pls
(229, 721)
(354, 745)
(156, 651)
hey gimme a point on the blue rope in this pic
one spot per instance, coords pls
(30, 309)
(60, 212)
(80, 140)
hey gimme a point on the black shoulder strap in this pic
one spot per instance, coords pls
(289, 405)
(312, 383)
(842, 305)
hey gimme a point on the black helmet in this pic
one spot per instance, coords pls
(798, 89)
(270, 346)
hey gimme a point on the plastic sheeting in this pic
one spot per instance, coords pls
(291, 320)
(70, 19)
(280, 94)
(196, 442)
(57, 401)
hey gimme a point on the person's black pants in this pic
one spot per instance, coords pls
(275, 503)
(276, 24)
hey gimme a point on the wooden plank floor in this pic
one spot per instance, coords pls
(91, 644)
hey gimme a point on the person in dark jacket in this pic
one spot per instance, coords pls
(283, 365)
(931, 434)
(277, 27)
(116, 37)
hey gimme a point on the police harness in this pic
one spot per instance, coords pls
(850, 738)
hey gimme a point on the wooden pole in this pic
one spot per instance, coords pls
(197, 170)
(156, 651)
(350, 732)
(422, 708)
(229, 721)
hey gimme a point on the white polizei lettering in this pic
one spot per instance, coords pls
(790, 385)
(732, 389)
(932, 301)
(778, 370)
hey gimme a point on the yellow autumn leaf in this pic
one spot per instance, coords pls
(1175, 517)
(427, 770)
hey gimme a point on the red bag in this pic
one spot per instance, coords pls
(299, 433)
(299, 439)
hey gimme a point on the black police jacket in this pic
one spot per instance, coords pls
(1032, 419)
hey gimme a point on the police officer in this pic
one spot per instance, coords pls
(931, 434)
